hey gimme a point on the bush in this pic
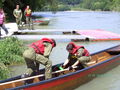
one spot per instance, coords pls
(10, 50)
(10, 53)
(4, 72)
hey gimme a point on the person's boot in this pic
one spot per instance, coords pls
(25, 76)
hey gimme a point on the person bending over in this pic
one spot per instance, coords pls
(77, 58)
(38, 53)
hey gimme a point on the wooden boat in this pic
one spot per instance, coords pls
(101, 62)
(97, 35)
(39, 19)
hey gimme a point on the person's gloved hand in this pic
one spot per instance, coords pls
(25, 75)
(70, 68)
(62, 66)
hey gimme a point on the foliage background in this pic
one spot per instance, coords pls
(102, 5)
(10, 53)
(59, 5)
(35, 5)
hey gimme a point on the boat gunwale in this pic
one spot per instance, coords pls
(72, 73)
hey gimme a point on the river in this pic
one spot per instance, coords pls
(82, 20)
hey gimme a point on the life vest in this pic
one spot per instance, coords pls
(28, 12)
(2, 17)
(75, 49)
(48, 40)
(39, 46)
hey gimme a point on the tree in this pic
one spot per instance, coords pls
(1, 3)
(104, 5)
(9, 6)
(115, 5)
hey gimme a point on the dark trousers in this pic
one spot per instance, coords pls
(4, 28)
(29, 22)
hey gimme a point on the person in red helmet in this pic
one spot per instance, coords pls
(77, 58)
(38, 53)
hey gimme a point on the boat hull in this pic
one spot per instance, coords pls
(76, 79)
(41, 22)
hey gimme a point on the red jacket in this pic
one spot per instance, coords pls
(28, 12)
(75, 49)
(39, 46)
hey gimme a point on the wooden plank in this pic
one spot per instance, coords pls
(98, 58)
(47, 30)
(103, 56)
(19, 80)
(37, 37)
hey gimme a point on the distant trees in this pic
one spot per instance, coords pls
(103, 5)
(36, 5)
(54, 5)
(1, 3)
(70, 2)
(115, 5)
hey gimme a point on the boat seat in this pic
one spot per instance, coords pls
(98, 58)
(114, 51)
(93, 60)
(103, 56)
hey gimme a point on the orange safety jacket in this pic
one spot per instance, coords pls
(39, 46)
(27, 12)
(75, 49)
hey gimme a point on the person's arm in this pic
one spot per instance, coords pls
(21, 14)
(48, 49)
(66, 62)
(14, 13)
(80, 52)
(76, 63)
